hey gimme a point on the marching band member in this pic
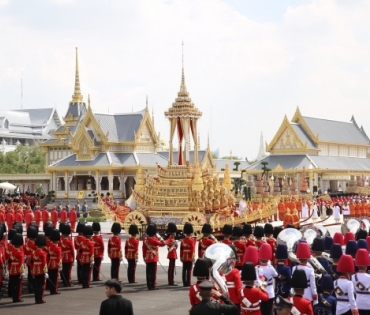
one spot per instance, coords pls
(172, 253)
(240, 247)
(98, 250)
(16, 267)
(234, 285)
(264, 256)
(28, 249)
(327, 303)
(45, 215)
(39, 268)
(201, 272)
(299, 284)
(227, 230)
(187, 253)
(63, 215)
(344, 291)
(361, 282)
(283, 279)
(114, 250)
(77, 244)
(335, 254)
(54, 262)
(317, 248)
(247, 232)
(73, 219)
(68, 254)
(132, 252)
(206, 240)
(252, 297)
(259, 234)
(304, 254)
(87, 256)
(269, 230)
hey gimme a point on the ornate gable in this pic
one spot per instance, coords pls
(286, 140)
(298, 119)
(146, 133)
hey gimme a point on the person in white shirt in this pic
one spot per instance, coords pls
(361, 281)
(343, 287)
(345, 210)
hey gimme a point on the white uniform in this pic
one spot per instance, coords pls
(304, 211)
(346, 301)
(311, 290)
(336, 213)
(361, 285)
(269, 273)
(314, 214)
(345, 210)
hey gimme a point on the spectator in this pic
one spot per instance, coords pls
(115, 304)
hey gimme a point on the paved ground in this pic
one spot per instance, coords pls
(165, 301)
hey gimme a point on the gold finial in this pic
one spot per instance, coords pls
(183, 86)
(77, 96)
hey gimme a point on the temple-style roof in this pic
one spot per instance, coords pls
(120, 127)
(285, 161)
(303, 135)
(41, 116)
(336, 131)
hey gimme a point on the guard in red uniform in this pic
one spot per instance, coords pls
(115, 251)
(299, 284)
(206, 241)
(67, 255)
(45, 215)
(201, 272)
(54, 261)
(150, 254)
(18, 216)
(73, 219)
(54, 217)
(251, 296)
(39, 268)
(227, 230)
(247, 232)
(234, 287)
(87, 256)
(77, 243)
(16, 268)
(187, 253)
(240, 246)
(64, 216)
(251, 255)
(172, 253)
(29, 248)
(132, 252)
(269, 230)
(10, 219)
(2, 253)
(28, 217)
(37, 216)
(259, 234)
(98, 250)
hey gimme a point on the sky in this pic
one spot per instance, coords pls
(247, 63)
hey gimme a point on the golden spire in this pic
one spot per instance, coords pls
(183, 86)
(208, 140)
(198, 141)
(77, 96)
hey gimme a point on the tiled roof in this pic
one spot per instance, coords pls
(126, 159)
(100, 160)
(38, 116)
(151, 159)
(285, 161)
(302, 135)
(341, 163)
(77, 109)
(336, 131)
(221, 163)
(121, 127)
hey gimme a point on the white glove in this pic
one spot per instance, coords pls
(22, 275)
(46, 276)
(136, 261)
(92, 264)
(59, 269)
(121, 260)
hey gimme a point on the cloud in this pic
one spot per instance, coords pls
(243, 74)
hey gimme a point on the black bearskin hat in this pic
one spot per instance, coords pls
(237, 231)
(66, 230)
(227, 229)
(55, 235)
(17, 240)
(248, 272)
(116, 228)
(268, 229)
(247, 229)
(133, 230)
(151, 230)
(88, 230)
(188, 228)
(299, 279)
(258, 231)
(201, 268)
(277, 230)
(11, 233)
(171, 228)
(96, 227)
(206, 228)
(40, 240)
(32, 232)
(80, 227)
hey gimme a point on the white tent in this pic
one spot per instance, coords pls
(7, 186)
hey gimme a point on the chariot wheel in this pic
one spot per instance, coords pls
(135, 217)
(197, 220)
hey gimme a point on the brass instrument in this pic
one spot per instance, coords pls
(350, 225)
(223, 259)
(289, 237)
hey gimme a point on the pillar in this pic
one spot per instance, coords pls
(310, 181)
(110, 180)
(97, 182)
(66, 183)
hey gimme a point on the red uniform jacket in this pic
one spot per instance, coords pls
(240, 249)
(73, 216)
(172, 250)
(29, 248)
(78, 241)
(259, 243)
(234, 285)
(2, 216)
(87, 255)
(303, 305)
(63, 216)
(132, 248)
(250, 242)
(150, 248)
(54, 215)
(16, 259)
(28, 217)
(273, 244)
(45, 216)
(38, 263)
(68, 251)
(54, 257)
(98, 246)
(227, 242)
(37, 215)
(203, 244)
(10, 219)
(114, 247)
(187, 249)
(250, 300)
(194, 295)
(18, 217)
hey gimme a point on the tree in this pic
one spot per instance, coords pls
(233, 157)
(24, 160)
(236, 166)
(265, 169)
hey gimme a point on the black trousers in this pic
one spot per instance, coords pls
(30, 280)
(79, 272)
(86, 275)
(66, 274)
(39, 288)
(96, 269)
(171, 270)
(364, 312)
(266, 307)
(131, 270)
(151, 274)
(114, 268)
(15, 287)
(187, 267)
(53, 281)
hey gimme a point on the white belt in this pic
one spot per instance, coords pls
(250, 308)
(230, 284)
